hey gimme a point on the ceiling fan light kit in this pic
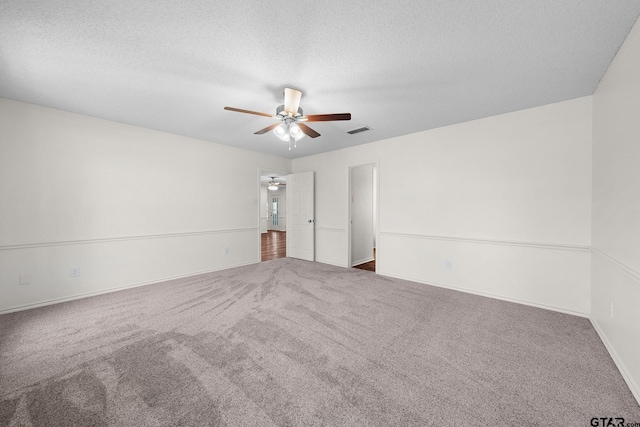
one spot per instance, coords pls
(282, 132)
(289, 131)
(291, 117)
(273, 184)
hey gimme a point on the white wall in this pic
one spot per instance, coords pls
(616, 209)
(126, 205)
(361, 214)
(506, 198)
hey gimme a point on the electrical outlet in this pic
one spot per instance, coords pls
(448, 263)
(74, 271)
(611, 309)
(25, 279)
(225, 251)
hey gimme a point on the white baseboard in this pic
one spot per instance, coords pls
(635, 390)
(490, 295)
(334, 263)
(119, 288)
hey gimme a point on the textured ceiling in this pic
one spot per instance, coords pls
(398, 67)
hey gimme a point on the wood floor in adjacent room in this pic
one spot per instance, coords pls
(274, 245)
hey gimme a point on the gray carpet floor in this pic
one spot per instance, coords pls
(290, 342)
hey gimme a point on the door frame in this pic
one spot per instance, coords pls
(268, 172)
(376, 207)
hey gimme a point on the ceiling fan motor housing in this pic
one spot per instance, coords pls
(281, 113)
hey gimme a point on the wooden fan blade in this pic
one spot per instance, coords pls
(240, 110)
(267, 129)
(328, 117)
(308, 131)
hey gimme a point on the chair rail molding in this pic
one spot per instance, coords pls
(630, 271)
(482, 240)
(15, 246)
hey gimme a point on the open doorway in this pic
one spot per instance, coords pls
(273, 218)
(363, 209)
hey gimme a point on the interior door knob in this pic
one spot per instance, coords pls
(310, 221)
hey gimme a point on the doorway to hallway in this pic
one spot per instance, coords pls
(363, 216)
(272, 212)
(286, 211)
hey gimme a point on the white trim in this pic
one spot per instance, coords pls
(489, 295)
(119, 288)
(324, 261)
(635, 389)
(541, 245)
(630, 271)
(122, 238)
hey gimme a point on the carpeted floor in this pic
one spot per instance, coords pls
(290, 342)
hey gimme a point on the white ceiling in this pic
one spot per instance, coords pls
(398, 67)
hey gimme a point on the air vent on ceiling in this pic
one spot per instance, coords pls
(362, 129)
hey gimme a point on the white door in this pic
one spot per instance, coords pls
(301, 216)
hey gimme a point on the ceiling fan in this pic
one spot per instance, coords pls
(291, 118)
(273, 184)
